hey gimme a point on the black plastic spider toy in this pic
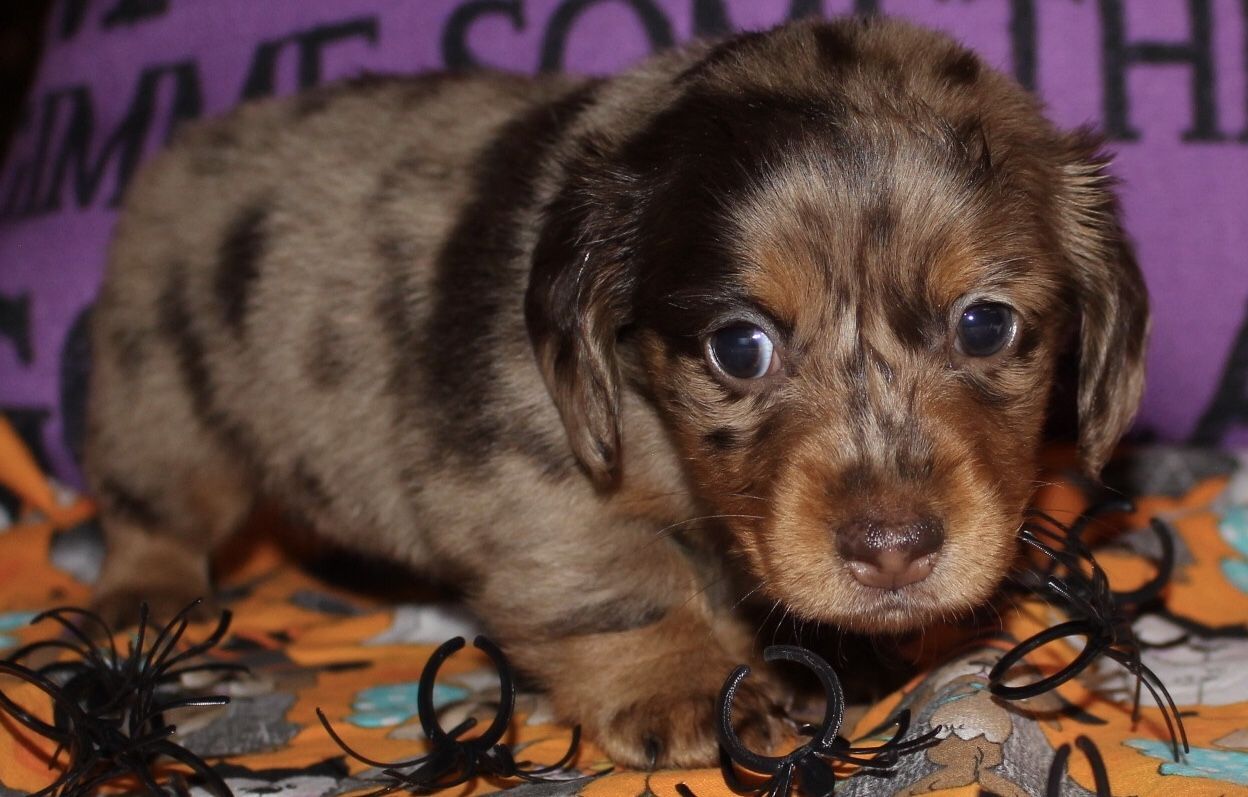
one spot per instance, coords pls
(453, 761)
(1100, 775)
(811, 764)
(1072, 579)
(108, 709)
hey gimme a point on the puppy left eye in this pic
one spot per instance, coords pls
(985, 328)
(742, 351)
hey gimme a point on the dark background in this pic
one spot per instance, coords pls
(21, 34)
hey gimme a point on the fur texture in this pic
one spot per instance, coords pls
(461, 322)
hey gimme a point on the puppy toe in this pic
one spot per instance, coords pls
(680, 730)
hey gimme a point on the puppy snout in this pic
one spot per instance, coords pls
(890, 553)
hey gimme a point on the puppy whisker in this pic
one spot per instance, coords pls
(746, 597)
(700, 518)
(766, 619)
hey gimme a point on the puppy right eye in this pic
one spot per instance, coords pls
(985, 328)
(743, 351)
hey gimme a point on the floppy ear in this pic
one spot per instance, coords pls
(576, 303)
(1112, 301)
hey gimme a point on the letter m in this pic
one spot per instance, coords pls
(124, 145)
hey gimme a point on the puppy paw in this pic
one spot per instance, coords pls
(676, 725)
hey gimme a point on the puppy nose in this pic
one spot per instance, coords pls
(889, 554)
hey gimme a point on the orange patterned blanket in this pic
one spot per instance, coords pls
(310, 645)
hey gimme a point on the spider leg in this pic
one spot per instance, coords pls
(783, 782)
(213, 783)
(1057, 769)
(203, 646)
(424, 691)
(90, 650)
(1165, 568)
(573, 746)
(1094, 647)
(834, 711)
(1168, 708)
(1100, 776)
(733, 780)
(728, 738)
(359, 757)
(507, 695)
(59, 698)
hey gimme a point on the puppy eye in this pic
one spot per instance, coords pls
(742, 351)
(985, 328)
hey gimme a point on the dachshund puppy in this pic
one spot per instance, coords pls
(773, 320)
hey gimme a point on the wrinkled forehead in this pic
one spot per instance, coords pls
(806, 215)
(894, 229)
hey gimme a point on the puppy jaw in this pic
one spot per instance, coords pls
(785, 495)
(787, 476)
(794, 552)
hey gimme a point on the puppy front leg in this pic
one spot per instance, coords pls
(647, 696)
(640, 670)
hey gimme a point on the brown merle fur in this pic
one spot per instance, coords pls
(460, 321)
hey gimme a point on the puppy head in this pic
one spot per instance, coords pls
(848, 258)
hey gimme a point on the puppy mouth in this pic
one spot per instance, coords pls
(846, 602)
(895, 609)
(891, 577)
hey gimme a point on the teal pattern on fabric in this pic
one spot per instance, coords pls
(1202, 762)
(10, 621)
(967, 690)
(394, 704)
(1233, 528)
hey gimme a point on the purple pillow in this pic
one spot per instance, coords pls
(1167, 80)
